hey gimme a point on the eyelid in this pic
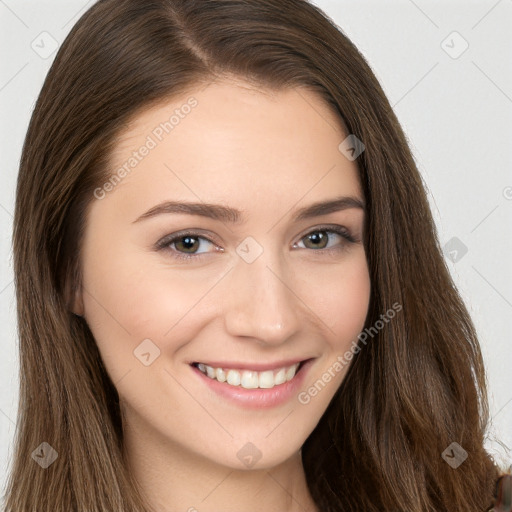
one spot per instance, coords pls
(336, 228)
(199, 233)
(193, 232)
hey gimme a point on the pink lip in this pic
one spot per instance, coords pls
(251, 366)
(257, 398)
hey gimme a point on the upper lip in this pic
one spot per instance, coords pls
(259, 367)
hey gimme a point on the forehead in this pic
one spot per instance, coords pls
(233, 143)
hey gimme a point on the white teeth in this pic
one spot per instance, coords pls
(234, 378)
(280, 377)
(266, 379)
(290, 372)
(220, 374)
(250, 379)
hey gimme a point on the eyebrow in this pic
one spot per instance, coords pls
(234, 216)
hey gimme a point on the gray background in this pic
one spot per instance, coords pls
(455, 105)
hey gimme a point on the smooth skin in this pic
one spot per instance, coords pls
(267, 154)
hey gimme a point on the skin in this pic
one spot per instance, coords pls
(267, 154)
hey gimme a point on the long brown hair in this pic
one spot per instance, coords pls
(411, 392)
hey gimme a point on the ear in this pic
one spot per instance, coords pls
(74, 297)
(77, 304)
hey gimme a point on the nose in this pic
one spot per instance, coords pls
(262, 303)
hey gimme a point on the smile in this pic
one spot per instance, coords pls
(250, 379)
(262, 386)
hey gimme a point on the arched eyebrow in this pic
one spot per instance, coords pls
(233, 216)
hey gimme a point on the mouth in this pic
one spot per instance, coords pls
(251, 379)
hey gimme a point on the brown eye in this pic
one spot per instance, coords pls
(186, 245)
(319, 240)
(320, 237)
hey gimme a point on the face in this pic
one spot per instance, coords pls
(262, 283)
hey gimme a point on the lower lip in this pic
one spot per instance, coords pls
(257, 398)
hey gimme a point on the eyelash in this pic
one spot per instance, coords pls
(166, 242)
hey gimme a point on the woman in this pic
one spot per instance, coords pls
(271, 371)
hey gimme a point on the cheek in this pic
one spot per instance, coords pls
(342, 302)
(127, 302)
(133, 297)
